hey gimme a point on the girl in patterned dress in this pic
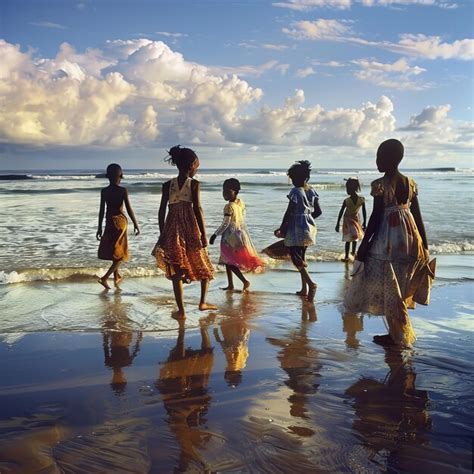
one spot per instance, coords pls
(181, 249)
(394, 248)
(238, 253)
(352, 230)
(298, 226)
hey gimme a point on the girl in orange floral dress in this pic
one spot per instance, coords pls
(181, 249)
(394, 248)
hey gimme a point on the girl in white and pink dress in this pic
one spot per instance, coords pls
(238, 253)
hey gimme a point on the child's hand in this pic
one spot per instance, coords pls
(278, 233)
(212, 239)
(337, 227)
(136, 229)
(364, 227)
(98, 234)
(203, 241)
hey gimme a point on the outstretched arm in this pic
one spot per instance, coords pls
(198, 211)
(165, 194)
(415, 210)
(374, 223)
(98, 234)
(131, 213)
(339, 217)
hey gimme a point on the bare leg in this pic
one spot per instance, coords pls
(203, 306)
(178, 296)
(240, 276)
(304, 287)
(112, 269)
(354, 246)
(311, 285)
(347, 246)
(230, 281)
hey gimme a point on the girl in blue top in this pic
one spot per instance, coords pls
(298, 226)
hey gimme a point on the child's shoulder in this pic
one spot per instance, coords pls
(377, 187)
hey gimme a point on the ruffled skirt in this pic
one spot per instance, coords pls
(181, 253)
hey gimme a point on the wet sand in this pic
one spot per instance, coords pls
(109, 382)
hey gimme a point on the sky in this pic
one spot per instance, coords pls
(246, 83)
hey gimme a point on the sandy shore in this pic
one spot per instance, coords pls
(94, 381)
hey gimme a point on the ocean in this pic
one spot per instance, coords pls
(48, 220)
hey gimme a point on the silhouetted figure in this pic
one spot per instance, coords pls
(352, 229)
(394, 246)
(113, 241)
(351, 325)
(181, 248)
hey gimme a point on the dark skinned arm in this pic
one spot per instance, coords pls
(165, 194)
(98, 234)
(374, 223)
(339, 217)
(415, 210)
(131, 213)
(198, 211)
(364, 215)
(317, 209)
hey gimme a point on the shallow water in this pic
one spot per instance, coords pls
(48, 224)
(266, 384)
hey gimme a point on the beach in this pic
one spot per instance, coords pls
(95, 381)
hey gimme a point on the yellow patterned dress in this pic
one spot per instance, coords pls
(383, 285)
(181, 252)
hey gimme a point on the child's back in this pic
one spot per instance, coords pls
(114, 197)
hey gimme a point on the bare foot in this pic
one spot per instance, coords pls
(178, 315)
(302, 292)
(104, 283)
(384, 340)
(206, 306)
(228, 288)
(118, 280)
(312, 292)
(246, 286)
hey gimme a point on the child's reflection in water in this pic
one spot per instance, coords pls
(183, 385)
(299, 359)
(391, 415)
(233, 334)
(351, 325)
(118, 340)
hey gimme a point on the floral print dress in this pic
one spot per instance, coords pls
(383, 285)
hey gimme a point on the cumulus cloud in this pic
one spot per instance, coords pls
(171, 35)
(397, 75)
(429, 117)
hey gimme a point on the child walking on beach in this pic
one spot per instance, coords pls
(394, 250)
(352, 230)
(181, 249)
(298, 226)
(237, 251)
(113, 242)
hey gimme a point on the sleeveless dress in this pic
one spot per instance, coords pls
(181, 252)
(351, 226)
(236, 245)
(384, 285)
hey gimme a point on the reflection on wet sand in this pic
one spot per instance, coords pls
(299, 359)
(183, 385)
(117, 339)
(351, 325)
(391, 416)
(233, 334)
